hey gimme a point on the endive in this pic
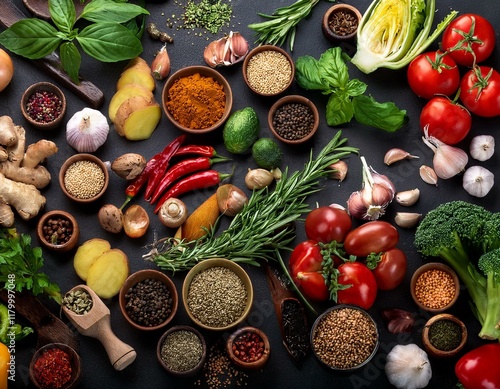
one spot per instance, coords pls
(393, 32)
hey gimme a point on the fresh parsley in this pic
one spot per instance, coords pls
(347, 98)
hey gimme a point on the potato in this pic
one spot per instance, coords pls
(108, 273)
(128, 91)
(136, 76)
(135, 221)
(136, 119)
(87, 254)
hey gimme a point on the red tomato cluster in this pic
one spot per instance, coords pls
(467, 41)
(344, 264)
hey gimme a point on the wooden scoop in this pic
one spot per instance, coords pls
(96, 324)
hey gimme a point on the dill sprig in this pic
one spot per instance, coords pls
(263, 227)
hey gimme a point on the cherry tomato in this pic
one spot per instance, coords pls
(363, 289)
(478, 369)
(469, 30)
(433, 73)
(374, 236)
(445, 120)
(391, 269)
(6, 69)
(480, 91)
(326, 224)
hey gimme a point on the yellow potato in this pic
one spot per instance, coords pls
(87, 254)
(136, 76)
(108, 273)
(125, 93)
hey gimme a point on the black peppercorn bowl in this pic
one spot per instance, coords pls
(140, 276)
(347, 17)
(29, 108)
(58, 231)
(242, 338)
(431, 348)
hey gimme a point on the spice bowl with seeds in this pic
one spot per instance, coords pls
(344, 338)
(78, 301)
(444, 335)
(293, 119)
(435, 287)
(217, 294)
(58, 230)
(340, 22)
(148, 300)
(248, 348)
(43, 105)
(83, 178)
(268, 70)
(182, 351)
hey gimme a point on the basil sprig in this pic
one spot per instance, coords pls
(347, 98)
(108, 36)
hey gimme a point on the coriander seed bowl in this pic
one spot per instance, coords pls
(217, 294)
(249, 348)
(340, 22)
(83, 178)
(43, 105)
(444, 335)
(58, 231)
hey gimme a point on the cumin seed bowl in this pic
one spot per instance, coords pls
(203, 71)
(213, 286)
(43, 105)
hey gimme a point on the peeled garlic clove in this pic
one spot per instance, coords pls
(428, 175)
(408, 197)
(407, 219)
(397, 154)
(339, 170)
(258, 178)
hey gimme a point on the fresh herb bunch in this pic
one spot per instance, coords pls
(110, 36)
(20, 264)
(347, 98)
(263, 227)
(282, 24)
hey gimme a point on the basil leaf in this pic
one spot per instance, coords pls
(63, 14)
(109, 11)
(332, 68)
(31, 38)
(386, 116)
(355, 87)
(109, 42)
(339, 109)
(308, 75)
(71, 60)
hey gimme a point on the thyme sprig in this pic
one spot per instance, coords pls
(263, 227)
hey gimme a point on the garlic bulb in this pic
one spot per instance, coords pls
(482, 147)
(87, 130)
(478, 181)
(226, 51)
(408, 367)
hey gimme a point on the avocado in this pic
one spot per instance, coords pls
(266, 153)
(241, 131)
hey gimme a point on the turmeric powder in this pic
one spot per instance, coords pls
(196, 101)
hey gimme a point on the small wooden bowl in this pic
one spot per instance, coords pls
(186, 373)
(340, 11)
(74, 359)
(259, 50)
(434, 351)
(293, 99)
(434, 266)
(254, 365)
(83, 157)
(49, 88)
(204, 71)
(56, 215)
(218, 262)
(142, 275)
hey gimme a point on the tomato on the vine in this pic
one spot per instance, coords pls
(327, 223)
(374, 236)
(469, 37)
(433, 73)
(390, 269)
(445, 120)
(363, 286)
(480, 91)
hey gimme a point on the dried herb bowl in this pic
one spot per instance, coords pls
(217, 294)
(58, 231)
(444, 335)
(249, 348)
(43, 105)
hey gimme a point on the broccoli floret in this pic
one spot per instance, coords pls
(490, 234)
(489, 264)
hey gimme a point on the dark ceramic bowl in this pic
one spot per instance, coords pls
(429, 346)
(38, 122)
(55, 217)
(335, 20)
(232, 349)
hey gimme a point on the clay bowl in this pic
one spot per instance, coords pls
(430, 267)
(142, 275)
(341, 13)
(55, 93)
(77, 158)
(74, 359)
(430, 347)
(204, 71)
(48, 223)
(244, 334)
(271, 76)
(184, 373)
(289, 100)
(211, 263)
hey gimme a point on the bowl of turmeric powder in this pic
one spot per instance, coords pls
(197, 99)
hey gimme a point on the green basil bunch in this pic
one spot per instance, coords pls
(110, 36)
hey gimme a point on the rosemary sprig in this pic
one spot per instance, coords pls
(263, 227)
(282, 24)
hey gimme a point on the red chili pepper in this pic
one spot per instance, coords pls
(201, 150)
(181, 169)
(199, 180)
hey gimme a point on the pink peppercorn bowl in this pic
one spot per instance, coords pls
(59, 247)
(232, 351)
(49, 88)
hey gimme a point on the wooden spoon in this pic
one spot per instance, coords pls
(96, 324)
